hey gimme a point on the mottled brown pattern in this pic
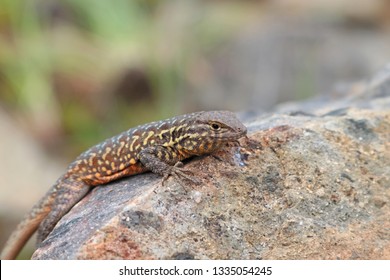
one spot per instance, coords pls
(158, 147)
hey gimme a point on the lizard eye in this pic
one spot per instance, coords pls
(215, 126)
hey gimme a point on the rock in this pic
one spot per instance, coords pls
(312, 181)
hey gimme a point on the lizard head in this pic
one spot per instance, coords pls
(210, 130)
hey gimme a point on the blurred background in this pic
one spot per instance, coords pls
(73, 73)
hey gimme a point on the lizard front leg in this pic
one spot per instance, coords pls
(165, 162)
(69, 191)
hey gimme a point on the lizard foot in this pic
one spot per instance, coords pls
(181, 174)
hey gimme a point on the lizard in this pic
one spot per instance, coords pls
(158, 147)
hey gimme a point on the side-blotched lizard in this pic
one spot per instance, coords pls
(158, 147)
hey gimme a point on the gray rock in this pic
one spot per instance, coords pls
(312, 181)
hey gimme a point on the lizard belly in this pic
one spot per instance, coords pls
(100, 178)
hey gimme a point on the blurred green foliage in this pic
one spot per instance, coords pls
(79, 71)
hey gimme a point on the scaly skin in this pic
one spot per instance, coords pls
(158, 147)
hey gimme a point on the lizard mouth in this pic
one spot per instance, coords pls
(233, 135)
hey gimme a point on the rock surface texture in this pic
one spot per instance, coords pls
(312, 181)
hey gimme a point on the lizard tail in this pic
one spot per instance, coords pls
(27, 226)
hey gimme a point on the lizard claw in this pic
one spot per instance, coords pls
(179, 164)
(181, 174)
